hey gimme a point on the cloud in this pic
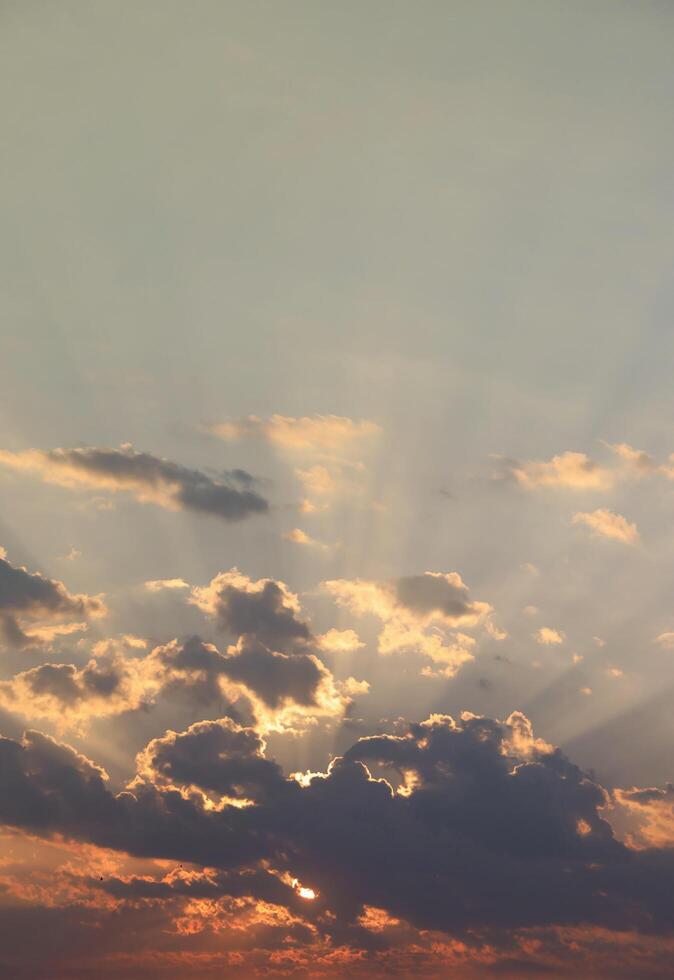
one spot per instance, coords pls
(416, 610)
(449, 654)
(494, 631)
(340, 641)
(354, 687)
(324, 483)
(419, 599)
(265, 608)
(604, 523)
(277, 690)
(317, 480)
(576, 471)
(72, 555)
(323, 445)
(298, 536)
(488, 828)
(32, 596)
(638, 462)
(568, 470)
(547, 636)
(315, 434)
(161, 584)
(146, 477)
(278, 678)
(221, 757)
(283, 689)
(665, 640)
(71, 697)
(646, 815)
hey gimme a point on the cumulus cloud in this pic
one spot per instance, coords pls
(353, 687)
(274, 667)
(71, 697)
(277, 678)
(569, 470)
(278, 690)
(577, 471)
(340, 641)
(420, 599)
(665, 640)
(146, 477)
(416, 610)
(283, 689)
(547, 636)
(31, 596)
(219, 756)
(603, 523)
(479, 825)
(265, 608)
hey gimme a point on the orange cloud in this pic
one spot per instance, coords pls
(313, 434)
(415, 611)
(569, 470)
(603, 523)
(547, 636)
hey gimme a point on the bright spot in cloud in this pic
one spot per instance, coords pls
(307, 893)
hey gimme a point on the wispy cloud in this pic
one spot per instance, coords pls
(603, 523)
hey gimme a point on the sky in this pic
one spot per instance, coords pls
(336, 489)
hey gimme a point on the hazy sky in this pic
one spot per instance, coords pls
(348, 328)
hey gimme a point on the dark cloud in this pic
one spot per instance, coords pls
(257, 884)
(215, 756)
(275, 677)
(49, 788)
(193, 672)
(148, 477)
(654, 794)
(492, 828)
(31, 595)
(265, 609)
(430, 593)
